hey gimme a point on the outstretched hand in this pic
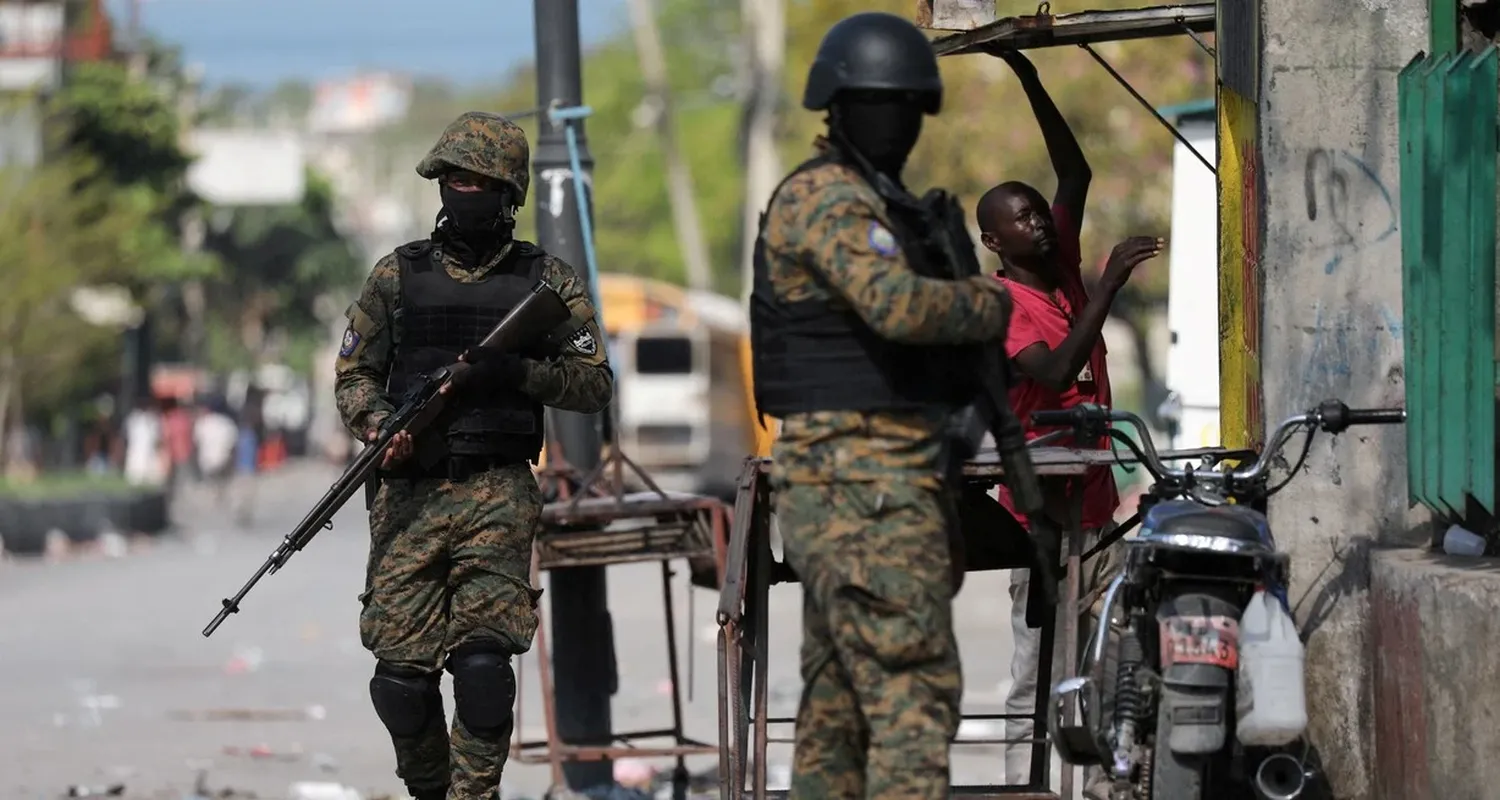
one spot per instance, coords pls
(1128, 254)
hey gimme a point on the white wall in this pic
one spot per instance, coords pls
(1193, 292)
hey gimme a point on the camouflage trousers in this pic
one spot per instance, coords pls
(450, 562)
(880, 669)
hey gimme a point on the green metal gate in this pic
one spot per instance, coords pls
(1449, 106)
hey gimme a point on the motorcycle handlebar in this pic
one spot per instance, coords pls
(1377, 416)
(1332, 416)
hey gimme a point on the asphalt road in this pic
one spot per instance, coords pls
(105, 677)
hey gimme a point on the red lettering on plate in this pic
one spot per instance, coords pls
(1212, 640)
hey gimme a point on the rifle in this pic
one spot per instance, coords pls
(944, 226)
(538, 314)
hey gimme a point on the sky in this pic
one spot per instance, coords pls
(262, 42)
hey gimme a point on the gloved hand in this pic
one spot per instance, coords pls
(482, 369)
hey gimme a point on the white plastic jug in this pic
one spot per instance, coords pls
(1271, 705)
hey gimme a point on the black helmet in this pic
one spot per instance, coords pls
(874, 50)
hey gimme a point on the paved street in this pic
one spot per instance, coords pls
(105, 678)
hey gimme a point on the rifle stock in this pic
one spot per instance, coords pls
(539, 313)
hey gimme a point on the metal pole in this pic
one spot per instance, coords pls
(583, 662)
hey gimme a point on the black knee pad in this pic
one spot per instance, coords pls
(405, 699)
(484, 688)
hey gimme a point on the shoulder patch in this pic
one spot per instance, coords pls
(351, 341)
(882, 240)
(583, 341)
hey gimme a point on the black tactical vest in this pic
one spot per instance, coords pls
(813, 356)
(438, 319)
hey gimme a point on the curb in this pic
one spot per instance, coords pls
(25, 523)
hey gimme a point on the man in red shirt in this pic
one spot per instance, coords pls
(1055, 343)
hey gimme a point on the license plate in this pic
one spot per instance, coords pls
(1211, 640)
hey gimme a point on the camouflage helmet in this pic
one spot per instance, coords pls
(485, 144)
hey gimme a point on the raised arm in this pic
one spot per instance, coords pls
(1068, 162)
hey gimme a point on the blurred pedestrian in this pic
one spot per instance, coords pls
(146, 459)
(215, 435)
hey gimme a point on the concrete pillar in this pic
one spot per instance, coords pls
(1330, 326)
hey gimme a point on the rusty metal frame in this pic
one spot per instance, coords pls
(1044, 29)
(594, 521)
(743, 647)
(751, 569)
(1086, 28)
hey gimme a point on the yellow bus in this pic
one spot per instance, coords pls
(682, 383)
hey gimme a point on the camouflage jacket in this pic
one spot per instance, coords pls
(578, 381)
(827, 236)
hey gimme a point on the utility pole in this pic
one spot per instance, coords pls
(764, 23)
(583, 657)
(653, 60)
(192, 228)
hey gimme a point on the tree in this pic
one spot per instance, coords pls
(61, 229)
(278, 260)
(126, 124)
(130, 130)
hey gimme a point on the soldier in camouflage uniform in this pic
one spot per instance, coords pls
(862, 357)
(448, 581)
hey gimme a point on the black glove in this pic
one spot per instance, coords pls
(486, 370)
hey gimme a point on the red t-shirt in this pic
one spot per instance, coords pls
(1044, 318)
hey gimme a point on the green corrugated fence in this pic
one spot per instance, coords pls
(1449, 108)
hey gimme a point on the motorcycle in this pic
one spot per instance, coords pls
(1155, 706)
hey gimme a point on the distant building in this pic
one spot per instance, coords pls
(359, 104)
(38, 40)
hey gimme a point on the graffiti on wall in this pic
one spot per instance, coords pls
(1348, 206)
(1348, 340)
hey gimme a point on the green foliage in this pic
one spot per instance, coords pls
(60, 229)
(124, 123)
(59, 485)
(277, 261)
(129, 128)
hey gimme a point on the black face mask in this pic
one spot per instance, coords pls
(482, 215)
(883, 131)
